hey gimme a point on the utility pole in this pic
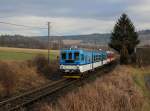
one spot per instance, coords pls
(48, 42)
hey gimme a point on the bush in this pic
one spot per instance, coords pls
(42, 66)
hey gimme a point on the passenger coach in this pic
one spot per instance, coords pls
(80, 60)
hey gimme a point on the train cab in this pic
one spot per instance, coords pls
(75, 60)
(70, 60)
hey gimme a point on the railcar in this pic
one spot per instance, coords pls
(74, 62)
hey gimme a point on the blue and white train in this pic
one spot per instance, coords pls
(77, 61)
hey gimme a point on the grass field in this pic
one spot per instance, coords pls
(7, 53)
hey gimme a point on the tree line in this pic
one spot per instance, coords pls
(27, 42)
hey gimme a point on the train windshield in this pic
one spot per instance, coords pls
(63, 55)
(70, 56)
(76, 55)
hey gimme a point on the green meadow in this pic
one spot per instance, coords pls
(24, 54)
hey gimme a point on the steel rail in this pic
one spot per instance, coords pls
(31, 96)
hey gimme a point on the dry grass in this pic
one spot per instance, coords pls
(141, 78)
(17, 77)
(113, 92)
(7, 78)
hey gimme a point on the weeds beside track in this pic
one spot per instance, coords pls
(17, 102)
(31, 96)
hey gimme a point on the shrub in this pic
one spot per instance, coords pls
(42, 66)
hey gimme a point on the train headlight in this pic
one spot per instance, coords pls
(61, 67)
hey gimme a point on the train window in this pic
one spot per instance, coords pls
(94, 58)
(63, 55)
(101, 57)
(76, 55)
(98, 59)
(82, 57)
(89, 59)
(70, 55)
(86, 58)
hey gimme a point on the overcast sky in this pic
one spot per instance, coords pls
(71, 16)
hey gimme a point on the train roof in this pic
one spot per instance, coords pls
(81, 50)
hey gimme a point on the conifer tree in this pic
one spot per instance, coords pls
(124, 38)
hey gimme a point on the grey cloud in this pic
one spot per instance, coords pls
(75, 10)
(101, 9)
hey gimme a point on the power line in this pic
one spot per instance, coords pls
(8, 23)
(5, 16)
(25, 35)
(19, 29)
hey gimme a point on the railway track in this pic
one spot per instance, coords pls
(17, 102)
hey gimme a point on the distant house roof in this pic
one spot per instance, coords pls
(72, 42)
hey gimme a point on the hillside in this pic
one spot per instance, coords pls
(21, 41)
(41, 41)
(144, 36)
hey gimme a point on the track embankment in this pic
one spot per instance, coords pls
(24, 99)
(31, 96)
